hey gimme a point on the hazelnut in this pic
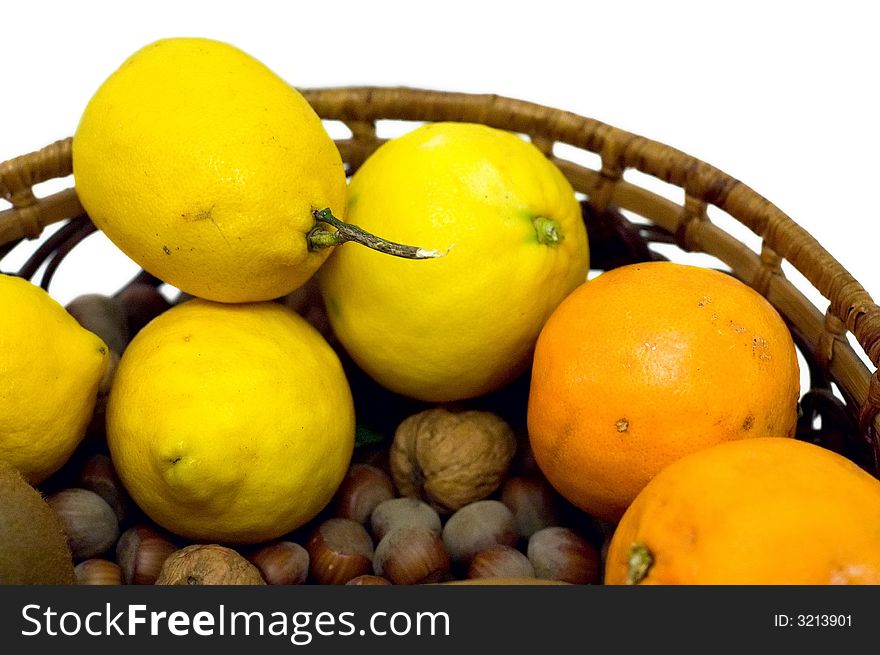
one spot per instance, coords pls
(99, 475)
(339, 550)
(450, 459)
(559, 553)
(141, 551)
(368, 580)
(141, 303)
(411, 554)
(534, 503)
(477, 526)
(104, 316)
(97, 571)
(403, 511)
(363, 488)
(500, 561)
(89, 522)
(208, 564)
(282, 562)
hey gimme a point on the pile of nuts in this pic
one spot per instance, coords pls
(455, 497)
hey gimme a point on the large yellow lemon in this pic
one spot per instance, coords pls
(230, 423)
(50, 369)
(463, 324)
(204, 167)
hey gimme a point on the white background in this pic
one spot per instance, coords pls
(782, 96)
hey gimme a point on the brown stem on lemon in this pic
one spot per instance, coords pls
(638, 564)
(320, 238)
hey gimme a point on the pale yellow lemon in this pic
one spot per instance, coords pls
(463, 324)
(50, 369)
(230, 422)
(204, 167)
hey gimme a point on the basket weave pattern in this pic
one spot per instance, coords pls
(849, 426)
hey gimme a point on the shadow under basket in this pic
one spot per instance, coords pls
(627, 222)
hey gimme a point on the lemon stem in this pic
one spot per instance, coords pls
(549, 231)
(638, 564)
(320, 238)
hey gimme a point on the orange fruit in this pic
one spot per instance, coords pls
(647, 363)
(755, 511)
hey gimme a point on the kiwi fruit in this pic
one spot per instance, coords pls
(33, 546)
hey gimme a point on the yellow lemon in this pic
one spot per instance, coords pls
(205, 167)
(50, 369)
(463, 324)
(231, 423)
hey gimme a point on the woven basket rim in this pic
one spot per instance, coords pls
(359, 107)
(703, 183)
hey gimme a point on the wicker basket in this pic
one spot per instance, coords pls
(843, 392)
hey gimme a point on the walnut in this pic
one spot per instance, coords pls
(450, 459)
(208, 564)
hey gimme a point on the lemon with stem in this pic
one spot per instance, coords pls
(212, 173)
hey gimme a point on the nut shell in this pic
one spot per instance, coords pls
(141, 551)
(88, 521)
(282, 562)
(451, 459)
(368, 581)
(363, 488)
(99, 475)
(478, 526)
(534, 503)
(339, 550)
(559, 553)
(411, 554)
(500, 561)
(208, 564)
(141, 303)
(98, 571)
(403, 511)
